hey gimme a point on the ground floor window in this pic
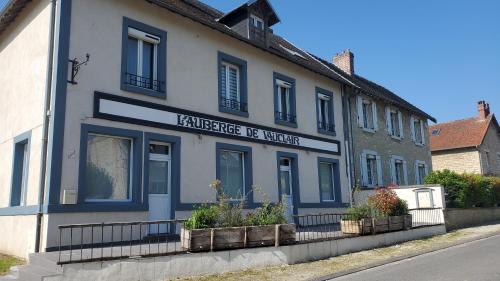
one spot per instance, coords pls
(421, 172)
(327, 186)
(371, 169)
(20, 170)
(399, 171)
(233, 169)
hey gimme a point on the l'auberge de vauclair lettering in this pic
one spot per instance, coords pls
(234, 129)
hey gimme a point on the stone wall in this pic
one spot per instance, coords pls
(460, 218)
(460, 161)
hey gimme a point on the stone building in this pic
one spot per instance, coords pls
(469, 145)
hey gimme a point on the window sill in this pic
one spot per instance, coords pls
(372, 131)
(97, 207)
(143, 91)
(325, 132)
(396, 138)
(419, 144)
(234, 112)
(285, 123)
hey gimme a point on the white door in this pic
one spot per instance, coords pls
(159, 185)
(286, 186)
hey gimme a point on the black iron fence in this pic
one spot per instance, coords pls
(144, 82)
(233, 104)
(105, 241)
(317, 227)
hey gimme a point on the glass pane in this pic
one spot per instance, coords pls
(147, 62)
(231, 174)
(284, 162)
(223, 73)
(233, 83)
(369, 168)
(326, 181)
(285, 182)
(324, 111)
(284, 101)
(108, 168)
(132, 55)
(158, 177)
(24, 179)
(158, 149)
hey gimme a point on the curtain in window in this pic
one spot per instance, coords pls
(233, 83)
(147, 62)
(231, 174)
(108, 168)
(326, 178)
(132, 55)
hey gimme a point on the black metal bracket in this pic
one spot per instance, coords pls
(75, 67)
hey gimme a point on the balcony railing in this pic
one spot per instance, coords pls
(283, 116)
(232, 104)
(144, 82)
(326, 127)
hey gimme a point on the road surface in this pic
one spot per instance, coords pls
(475, 261)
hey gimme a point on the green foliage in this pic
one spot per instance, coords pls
(203, 217)
(400, 208)
(383, 203)
(466, 190)
(268, 214)
(358, 212)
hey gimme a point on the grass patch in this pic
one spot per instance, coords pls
(6, 262)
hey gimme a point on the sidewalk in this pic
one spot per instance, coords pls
(341, 265)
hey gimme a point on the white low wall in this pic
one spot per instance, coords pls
(166, 267)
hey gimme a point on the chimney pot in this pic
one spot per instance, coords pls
(483, 109)
(345, 61)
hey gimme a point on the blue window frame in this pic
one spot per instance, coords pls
(329, 180)
(110, 167)
(20, 168)
(325, 112)
(284, 100)
(144, 50)
(234, 170)
(232, 82)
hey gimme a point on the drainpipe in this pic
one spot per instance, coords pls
(46, 120)
(347, 136)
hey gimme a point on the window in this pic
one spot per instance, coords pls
(143, 59)
(256, 22)
(421, 171)
(108, 168)
(284, 100)
(367, 114)
(435, 132)
(232, 85)
(417, 128)
(326, 181)
(399, 171)
(371, 169)
(394, 122)
(234, 170)
(20, 170)
(325, 114)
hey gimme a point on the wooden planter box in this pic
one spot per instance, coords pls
(198, 240)
(376, 225)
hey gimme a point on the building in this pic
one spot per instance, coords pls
(388, 135)
(470, 145)
(128, 110)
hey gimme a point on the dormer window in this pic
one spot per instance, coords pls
(256, 22)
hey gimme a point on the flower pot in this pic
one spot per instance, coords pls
(376, 225)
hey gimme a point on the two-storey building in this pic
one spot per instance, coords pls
(171, 96)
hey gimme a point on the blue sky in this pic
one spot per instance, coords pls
(442, 56)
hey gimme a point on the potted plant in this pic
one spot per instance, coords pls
(384, 211)
(223, 226)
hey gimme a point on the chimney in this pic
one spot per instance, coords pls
(483, 109)
(345, 61)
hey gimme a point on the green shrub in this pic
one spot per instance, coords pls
(454, 187)
(268, 214)
(203, 217)
(400, 208)
(359, 212)
(383, 203)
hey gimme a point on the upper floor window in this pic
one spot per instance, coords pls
(371, 169)
(284, 100)
(232, 85)
(394, 122)
(417, 128)
(143, 59)
(399, 171)
(421, 171)
(256, 22)
(367, 114)
(325, 114)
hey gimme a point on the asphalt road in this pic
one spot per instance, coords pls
(475, 261)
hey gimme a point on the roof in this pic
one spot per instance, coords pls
(274, 19)
(465, 133)
(279, 46)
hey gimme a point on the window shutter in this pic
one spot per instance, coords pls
(388, 119)
(426, 170)
(223, 75)
(401, 131)
(416, 172)
(364, 170)
(375, 119)
(380, 181)
(233, 83)
(393, 170)
(412, 128)
(405, 172)
(360, 111)
(422, 131)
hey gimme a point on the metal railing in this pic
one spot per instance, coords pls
(233, 104)
(144, 82)
(107, 241)
(317, 227)
(326, 126)
(282, 116)
(426, 217)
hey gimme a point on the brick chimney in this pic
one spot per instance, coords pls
(483, 109)
(345, 61)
